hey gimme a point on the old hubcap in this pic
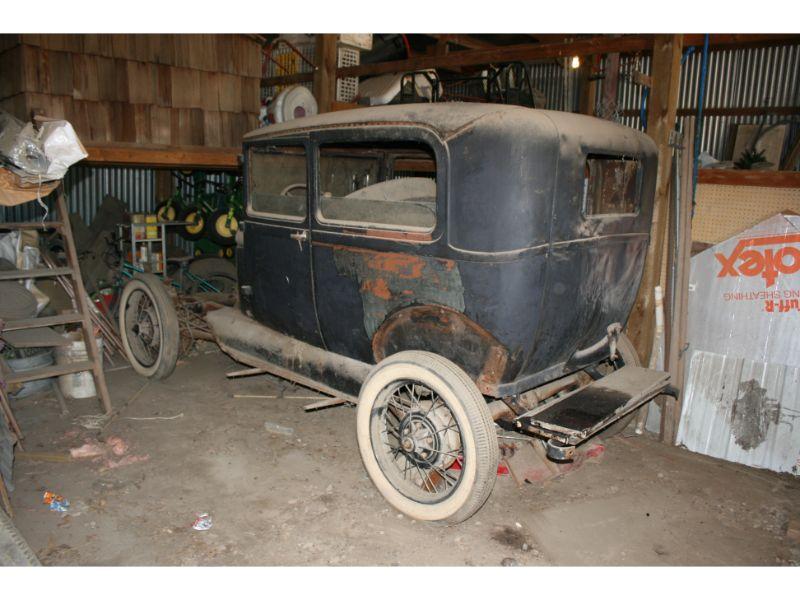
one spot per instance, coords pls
(418, 442)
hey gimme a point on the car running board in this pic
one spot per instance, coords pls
(575, 417)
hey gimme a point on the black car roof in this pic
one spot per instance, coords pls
(445, 118)
(449, 118)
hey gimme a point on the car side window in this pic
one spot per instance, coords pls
(610, 185)
(277, 182)
(378, 186)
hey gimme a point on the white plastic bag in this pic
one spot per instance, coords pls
(61, 146)
(20, 147)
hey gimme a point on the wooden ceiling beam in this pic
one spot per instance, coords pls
(521, 52)
(141, 155)
(460, 39)
(740, 40)
(528, 52)
(550, 38)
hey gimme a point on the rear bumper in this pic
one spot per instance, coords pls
(571, 419)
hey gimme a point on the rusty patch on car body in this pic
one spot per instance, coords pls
(388, 281)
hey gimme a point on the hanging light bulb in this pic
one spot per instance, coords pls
(576, 62)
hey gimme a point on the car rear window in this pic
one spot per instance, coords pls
(378, 186)
(610, 185)
(277, 182)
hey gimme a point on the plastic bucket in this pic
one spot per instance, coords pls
(76, 385)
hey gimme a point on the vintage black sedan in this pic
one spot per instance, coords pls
(451, 269)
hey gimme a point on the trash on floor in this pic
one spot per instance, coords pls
(56, 502)
(114, 446)
(203, 522)
(88, 450)
(91, 421)
(279, 429)
(117, 445)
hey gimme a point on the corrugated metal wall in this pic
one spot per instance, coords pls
(187, 188)
(741, 78)
(87, 186)
(743, 411)
(558, 83)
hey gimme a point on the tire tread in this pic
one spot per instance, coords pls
(480, 420)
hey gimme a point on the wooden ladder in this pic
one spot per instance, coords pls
(80, 314)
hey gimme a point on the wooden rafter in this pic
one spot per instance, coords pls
(467, 41)
(522, 52)
(624, 44)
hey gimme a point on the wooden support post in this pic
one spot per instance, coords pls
(588, 86)
(608, 105)
(325, 72)
(678, 255)
(662, 108)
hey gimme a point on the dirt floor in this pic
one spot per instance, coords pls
(304, 499)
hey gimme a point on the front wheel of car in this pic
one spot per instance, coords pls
(426, 437)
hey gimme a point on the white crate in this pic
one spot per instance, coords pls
(347, 87)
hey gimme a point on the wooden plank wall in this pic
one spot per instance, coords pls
(200, 90)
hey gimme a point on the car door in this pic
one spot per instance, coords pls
(275, 262)
(376, 222)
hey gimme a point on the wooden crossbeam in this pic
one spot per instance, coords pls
(467, 41)
(781, 179)
(198, 157)
(624, 44)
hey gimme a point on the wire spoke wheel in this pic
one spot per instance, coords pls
(142, 328)
(426, 437)
(148, 325)
(417, 441)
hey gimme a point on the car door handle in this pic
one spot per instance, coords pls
(300, 236)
